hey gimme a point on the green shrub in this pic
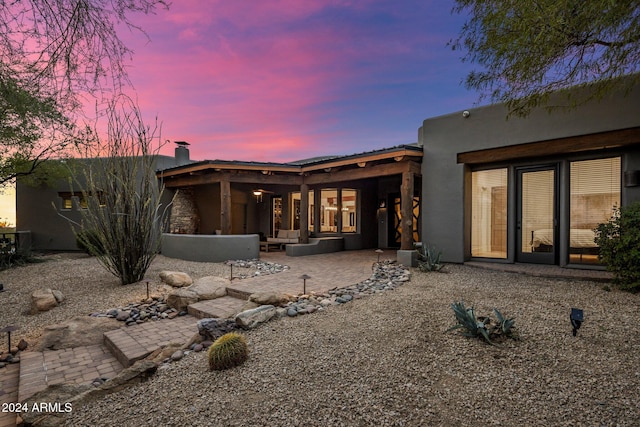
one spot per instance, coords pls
(17, 258)
(89, 242)
(429, 258)
(481, 327)
(619, 241)
(228, 351)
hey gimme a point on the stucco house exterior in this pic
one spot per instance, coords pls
(528, 189)
(476, 185)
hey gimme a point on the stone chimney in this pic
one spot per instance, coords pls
(182, 153)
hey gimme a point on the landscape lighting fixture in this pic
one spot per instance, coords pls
(577, 317)
(304, 278)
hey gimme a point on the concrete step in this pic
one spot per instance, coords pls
(79, 365)
(220, 308)
(132, 343)
(238, 293)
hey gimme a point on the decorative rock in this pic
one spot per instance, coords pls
(198, 348)
(122, 315)
(176, 279)
(269, 298)
(281, 312)
(22, 345)
(181, 298)
(59, 296)
(251, 318)
(177, 355)
(43, 300)
(212, 329)
(210, 287)
(292, 312)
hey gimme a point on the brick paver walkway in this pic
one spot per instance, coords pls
(9, 376)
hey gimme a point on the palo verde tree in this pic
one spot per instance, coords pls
(124, 217)
(532, 48)
(52, 54)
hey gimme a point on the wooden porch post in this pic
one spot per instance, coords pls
(304, 213)
(225, 205)
(406, 211)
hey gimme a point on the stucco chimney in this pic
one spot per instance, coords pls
(182, 153)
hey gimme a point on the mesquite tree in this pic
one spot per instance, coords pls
(527, 50)
(124, 217)
(53, 53)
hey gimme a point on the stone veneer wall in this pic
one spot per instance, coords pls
(185, 217)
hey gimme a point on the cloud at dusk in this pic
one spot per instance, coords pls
(281, 80)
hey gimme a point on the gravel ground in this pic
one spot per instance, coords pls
(385, 359)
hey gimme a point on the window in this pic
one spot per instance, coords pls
(348, 209)
(329, 211)
(595, 192)
(489, 213)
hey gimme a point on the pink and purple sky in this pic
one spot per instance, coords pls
(281, 80)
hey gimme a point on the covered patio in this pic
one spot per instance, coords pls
(360, 198)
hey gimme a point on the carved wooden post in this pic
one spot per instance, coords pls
(406, 211)
(225, 205)
(304, 213)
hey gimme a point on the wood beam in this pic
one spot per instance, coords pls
(364, 173)
(573, 144)
(304, 213)
(216, 177)
(406, 211)
(225, 206)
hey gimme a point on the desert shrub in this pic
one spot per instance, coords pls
(429, 258)
(481, 327)
(89, 241)
(619, 241)
(228, 351)
(17, 258)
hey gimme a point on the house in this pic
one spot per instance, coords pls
(528, 189)
(477, 186)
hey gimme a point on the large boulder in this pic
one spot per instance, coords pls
(210, 287)
(45, 300)
(269, 298)
(176, 279)
(251, 318)
(181, 298)
(77, 332)
(211, 329)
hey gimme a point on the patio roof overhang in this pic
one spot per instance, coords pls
(391, 161)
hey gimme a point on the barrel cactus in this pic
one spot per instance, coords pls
(228, 351)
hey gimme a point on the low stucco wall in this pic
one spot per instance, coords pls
(211, 248)
(316, 245)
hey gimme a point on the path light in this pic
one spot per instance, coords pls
(231, 264)
(8, 330)
(379, 252)
(147, 289)
(304, 278)
(577, 317)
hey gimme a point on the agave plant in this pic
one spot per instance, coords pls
(477, 327)
(505, 325)
(429, 258)
(467, 320)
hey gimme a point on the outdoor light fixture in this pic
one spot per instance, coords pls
(379, 252)
(231, 265)
(577, 317)
(258, 195)
(466, 114)
(304, 278)
(8, 330)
